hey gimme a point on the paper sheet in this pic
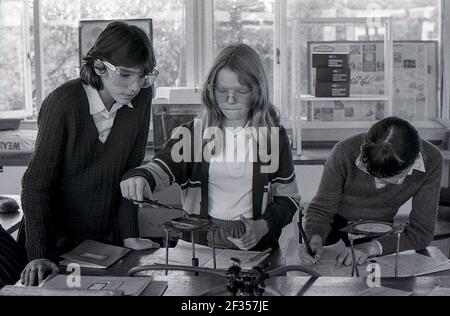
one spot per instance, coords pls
(410, 262)
(182, 255)
(327, 266)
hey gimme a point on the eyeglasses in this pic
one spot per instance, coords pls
(123, 78)
(239, 94)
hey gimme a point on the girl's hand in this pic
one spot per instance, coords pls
(362, 253)
(316, 247)
(135, 189)
(254, 231)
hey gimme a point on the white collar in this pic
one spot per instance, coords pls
(96, 104)
(418, 165)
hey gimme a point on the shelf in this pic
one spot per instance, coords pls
(307, 97)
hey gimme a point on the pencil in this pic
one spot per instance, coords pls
(302, 235)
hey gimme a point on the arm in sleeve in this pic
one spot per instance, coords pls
(127, 216)
(41, 174)
(284, 191)
(419, 232)
(320, 212)
(163, 170)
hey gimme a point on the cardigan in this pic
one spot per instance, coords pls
(351, 193)
(71, 186)
(275, 196)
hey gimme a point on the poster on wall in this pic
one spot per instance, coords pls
(415, 76)
(89, 30)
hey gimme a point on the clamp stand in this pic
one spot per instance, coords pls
(204, 225)
(399, 229)
(367, 229)
(352, 238)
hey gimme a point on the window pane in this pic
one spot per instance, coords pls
(12, 56)
(416, 72)
(246, 21)
(412, 19)
(60, 22)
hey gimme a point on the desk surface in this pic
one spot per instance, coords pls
(304, 286)
(187, 284)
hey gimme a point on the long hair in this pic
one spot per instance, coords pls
(121, 45)
(390, 146)
(247, 64)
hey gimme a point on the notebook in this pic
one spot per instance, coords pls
(91, 286)
(95, 255)
(413, 264)
(130, 286)
(182, 255)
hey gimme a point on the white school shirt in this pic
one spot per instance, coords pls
(103, 118)
(230, 185)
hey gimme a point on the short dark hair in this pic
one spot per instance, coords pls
(122, 45)
(390, 146)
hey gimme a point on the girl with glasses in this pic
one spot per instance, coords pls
(91, 130)
(369, 177)
(232, 188)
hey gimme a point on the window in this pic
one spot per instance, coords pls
(187, 33)
(14, 64)
(246, 21)
(413, 21)
(60, 21)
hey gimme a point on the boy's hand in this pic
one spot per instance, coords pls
(37, 270)
(362, 253)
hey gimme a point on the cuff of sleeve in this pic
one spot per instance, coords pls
(388, 245)
(140, 172)
(380, 247)
(36, 251)
(313, 230)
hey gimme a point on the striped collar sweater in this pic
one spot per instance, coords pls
(275, 196)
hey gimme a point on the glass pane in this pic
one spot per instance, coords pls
(412, 19)
(415, 62)
(60, 20)
(246, 21)
(12, 56)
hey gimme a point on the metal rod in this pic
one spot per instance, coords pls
(397, 254)
(214, 249)
(167, 249)
(354, 263)
(195, 262)
(193, 244)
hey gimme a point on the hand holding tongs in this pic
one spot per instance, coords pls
(158, 204)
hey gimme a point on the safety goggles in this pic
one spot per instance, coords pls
(125, 78)
(240, 94)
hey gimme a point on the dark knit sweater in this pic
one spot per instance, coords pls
(71, 187)
(351, 193)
